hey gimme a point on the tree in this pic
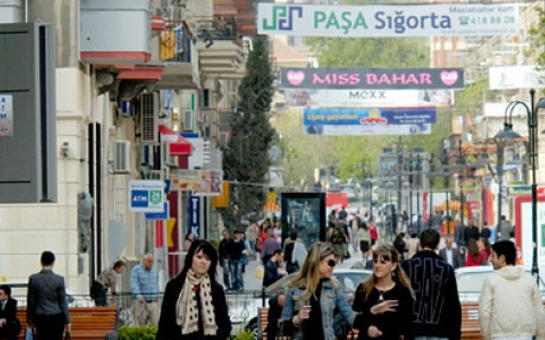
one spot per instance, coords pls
(245, 159)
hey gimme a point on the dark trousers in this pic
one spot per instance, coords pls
(49, 327)
(98, 293)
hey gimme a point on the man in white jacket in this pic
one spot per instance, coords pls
(510, 306)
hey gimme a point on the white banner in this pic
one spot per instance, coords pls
(361, 98)
(515, 77)
(367, 130)
(387, 20)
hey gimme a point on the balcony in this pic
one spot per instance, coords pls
(221, 53)
(174, 48)
(115, 31)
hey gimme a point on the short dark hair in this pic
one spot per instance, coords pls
(429, 238)
(47, 258)
(6, 289)
(119, 263)
(507, 249)
(277, 251)
(293, 234)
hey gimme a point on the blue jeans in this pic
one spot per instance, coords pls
(226, 275)
(236, 274)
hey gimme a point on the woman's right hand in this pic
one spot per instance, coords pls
(384, 306)
(303, 314)
(373, 332)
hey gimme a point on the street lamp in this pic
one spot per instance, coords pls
(508, 133)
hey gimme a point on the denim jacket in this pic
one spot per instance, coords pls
(330, 298)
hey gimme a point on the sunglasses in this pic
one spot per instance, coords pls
(331, 263)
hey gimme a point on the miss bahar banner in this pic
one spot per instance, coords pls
(388, 20)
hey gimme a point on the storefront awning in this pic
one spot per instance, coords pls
(178, 145)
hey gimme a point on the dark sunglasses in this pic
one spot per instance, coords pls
(331, 263)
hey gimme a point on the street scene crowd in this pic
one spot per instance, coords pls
(411, 292)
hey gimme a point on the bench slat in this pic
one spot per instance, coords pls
(87, 322)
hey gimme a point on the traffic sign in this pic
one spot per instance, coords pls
(146, 196)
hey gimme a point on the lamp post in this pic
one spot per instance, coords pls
(508, 133)
(418, 160)
(461, 174)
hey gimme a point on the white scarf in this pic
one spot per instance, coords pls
(187, 309)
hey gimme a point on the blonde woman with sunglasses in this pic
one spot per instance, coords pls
(312, 296)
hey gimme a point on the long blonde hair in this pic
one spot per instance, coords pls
(388, 253)
(309, 276)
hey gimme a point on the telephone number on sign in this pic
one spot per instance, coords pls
(487, 20)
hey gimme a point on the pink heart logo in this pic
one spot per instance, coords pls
(295, 78)
(449, 78)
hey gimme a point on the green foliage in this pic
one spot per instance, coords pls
(215, 243)
(244, 335)
(136, 333)
(537, 38)
(245, 159)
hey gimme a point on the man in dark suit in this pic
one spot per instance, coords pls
(9, 324)
(47, 307)
(450, 254)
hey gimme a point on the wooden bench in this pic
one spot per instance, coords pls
(471, 326)
(88, 323)
(263, 322)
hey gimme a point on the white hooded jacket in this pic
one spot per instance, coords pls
(510, 305)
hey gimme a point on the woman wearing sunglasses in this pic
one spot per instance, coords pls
(385, 299)
(312, 296)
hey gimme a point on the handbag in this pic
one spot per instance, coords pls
(259, 271)
(67, 335)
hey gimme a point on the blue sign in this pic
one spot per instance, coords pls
(369, 116)
(158, 215)
(146, 196)
(194, 216)
(139, 198)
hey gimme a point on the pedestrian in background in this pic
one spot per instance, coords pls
(47, 307)
(373, 232)
(224, 258)
(273, 269)
(510, 305)
(251, 235)
(295, 253)
(235, 249)
(189, 237)
(10, 326)
(105, 281)
(437, 312)
(145, 290)
(269, 246)
(450, 254)
(312, 296)
(412, 245)
(194, 306)
(385, 299)
(474, 256)
(503, 230)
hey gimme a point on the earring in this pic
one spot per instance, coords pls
(394, 275)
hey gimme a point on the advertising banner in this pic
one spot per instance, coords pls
(369, 116)
(367, 130)
(372, 78)
(387, 20)
(357, 98)
(515, 77)
(200, 182)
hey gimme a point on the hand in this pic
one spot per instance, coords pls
(141, 299)
(373, 332)
(385, 306)
(304, 313)
(68, 327)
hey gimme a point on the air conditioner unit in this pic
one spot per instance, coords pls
(167, 159)
(148, 107)
(122, 160)
(187, 121)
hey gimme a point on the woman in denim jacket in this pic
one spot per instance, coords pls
(312, 296)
